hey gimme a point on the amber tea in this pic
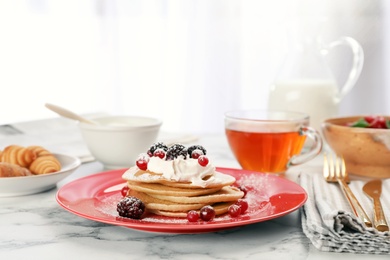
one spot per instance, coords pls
(270, 141)
(265, 152)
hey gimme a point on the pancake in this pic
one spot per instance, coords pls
(152, 203)
(219, 179)
(155, 188)
(223, 195)
(177, 198)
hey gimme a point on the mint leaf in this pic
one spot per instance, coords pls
(362, 123)
(388, 123)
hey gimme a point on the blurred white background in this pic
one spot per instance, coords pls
(186, 62)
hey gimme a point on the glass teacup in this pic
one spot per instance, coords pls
(270, 141)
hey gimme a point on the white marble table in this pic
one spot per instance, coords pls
(36, 227)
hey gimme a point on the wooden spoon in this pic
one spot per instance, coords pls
(68, 114)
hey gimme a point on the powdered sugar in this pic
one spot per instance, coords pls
(257, 187)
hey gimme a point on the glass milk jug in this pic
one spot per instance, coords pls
(305, 83)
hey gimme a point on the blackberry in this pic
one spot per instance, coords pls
(175, 151)
(155, 146)
(196, 147)
(130, 207)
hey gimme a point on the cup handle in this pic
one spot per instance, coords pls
(314, 150)
(357, 63)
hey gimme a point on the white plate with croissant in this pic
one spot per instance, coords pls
(40, 173)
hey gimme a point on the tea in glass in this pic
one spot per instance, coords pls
(270, 141)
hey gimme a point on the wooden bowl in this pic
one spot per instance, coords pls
(366, 150)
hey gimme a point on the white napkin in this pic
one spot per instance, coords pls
(329, 222)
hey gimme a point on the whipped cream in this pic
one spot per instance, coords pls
(180, 170)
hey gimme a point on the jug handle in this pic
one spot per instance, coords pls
(357, 63)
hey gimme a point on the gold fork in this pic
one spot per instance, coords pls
(335, 171)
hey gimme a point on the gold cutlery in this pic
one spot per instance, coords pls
(335, 171)
(373, 189)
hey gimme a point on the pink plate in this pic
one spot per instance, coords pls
(95, 197)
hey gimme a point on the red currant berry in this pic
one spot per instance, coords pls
(142, 164)
(124, 191)
(142, 161)
(243, 204)
(196, 153)
(243, 189)
(203, 160)
(159, 153)
(234, 210)
(192, 216)
(207, 213)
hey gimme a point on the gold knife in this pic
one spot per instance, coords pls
(373, 189)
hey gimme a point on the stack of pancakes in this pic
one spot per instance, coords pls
(175, 199)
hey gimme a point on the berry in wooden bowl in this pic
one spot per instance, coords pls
(363, 141)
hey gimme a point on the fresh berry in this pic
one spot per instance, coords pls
(207, 213)
(379, 122)
(142, 164)
(243, 189)
(192, 216)
(130, 207)
(175, 151)
(371, 122)
(155, 146)
(159, 153)
(192, 148)
(196, 153)
(142, 161)
(203, 160)
(370, 119)
(234, 210)
(243, 204)
(124, 190)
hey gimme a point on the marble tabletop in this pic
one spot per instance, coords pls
(36, 227)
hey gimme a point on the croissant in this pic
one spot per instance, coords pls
(18, 155)
(13, 170)
(38, 150)
(45, 164)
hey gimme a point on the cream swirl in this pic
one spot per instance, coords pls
(180, 170)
